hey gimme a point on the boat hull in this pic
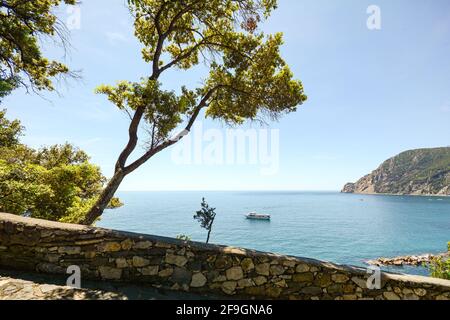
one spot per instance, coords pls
(259, 218)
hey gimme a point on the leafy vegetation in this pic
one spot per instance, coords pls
(184, 237)
(6, 86)
(440, 267)
(206, 216)
(22, 24)
(10, 131)
(247, 78)
(54, 183)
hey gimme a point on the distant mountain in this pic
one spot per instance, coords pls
(414, 172)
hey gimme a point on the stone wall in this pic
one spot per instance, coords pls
(50, 247)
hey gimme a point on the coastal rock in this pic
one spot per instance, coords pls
(414, 172)
(349, 188)
(415, 260)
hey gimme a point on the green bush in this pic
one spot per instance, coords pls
(184, 237)
(440, 268)
(56, 183)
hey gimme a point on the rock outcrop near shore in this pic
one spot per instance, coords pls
(414, 172)
(414, 260)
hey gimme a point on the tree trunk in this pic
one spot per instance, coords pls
(104, 199)
(122, 170)
(209, 233)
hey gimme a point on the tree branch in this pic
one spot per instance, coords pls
(154, 150)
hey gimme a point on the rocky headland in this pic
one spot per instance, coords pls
(414, 172)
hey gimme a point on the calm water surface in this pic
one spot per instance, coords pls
(342, 228)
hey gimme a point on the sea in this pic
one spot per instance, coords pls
(330, 226)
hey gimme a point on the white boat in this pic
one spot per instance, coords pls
(256, 216)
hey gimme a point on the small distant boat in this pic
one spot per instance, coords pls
(256, 216)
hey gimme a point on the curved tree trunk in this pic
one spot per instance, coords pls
(207, 238)
(104, 199)
(108, 193)
(122, 169)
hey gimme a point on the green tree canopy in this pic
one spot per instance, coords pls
(10, 131)
(54, 183)
(6, 86)
(248, 79)
(22, 24)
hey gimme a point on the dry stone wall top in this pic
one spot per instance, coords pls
(50, 247)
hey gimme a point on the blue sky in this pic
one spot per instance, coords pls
(372, 94)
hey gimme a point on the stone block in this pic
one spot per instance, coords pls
(198, 280)
(247, 265)
(150, 271)
(109, 273)
(235, 273)
(263, 269)
(303, 277)
(179, 261)
(140, 262)
(276, 270)
(302, 268)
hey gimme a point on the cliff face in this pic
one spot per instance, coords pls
(414, 172)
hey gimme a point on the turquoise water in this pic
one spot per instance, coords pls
(342, 228)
